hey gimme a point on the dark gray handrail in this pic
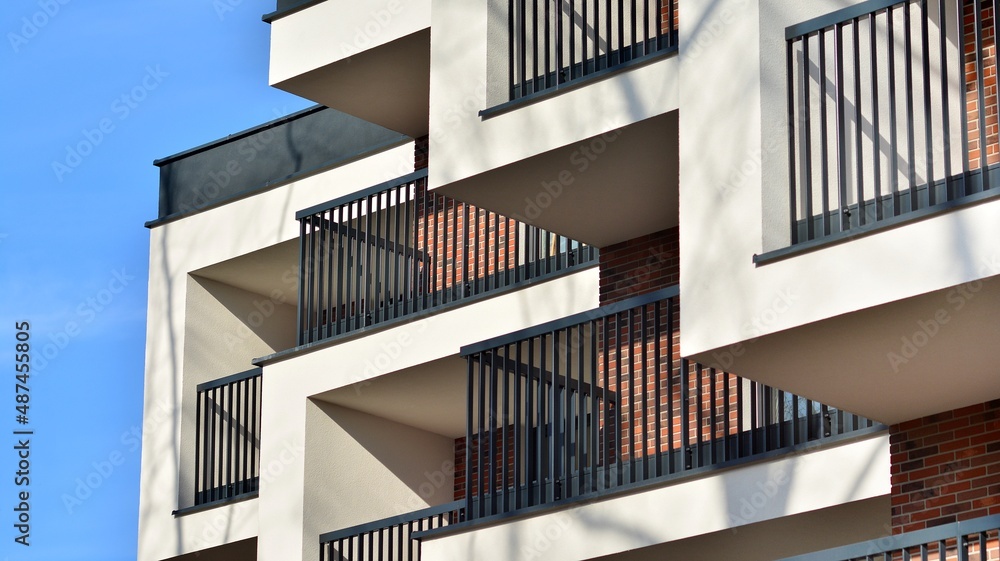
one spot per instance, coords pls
(456, 506)
(903, 541)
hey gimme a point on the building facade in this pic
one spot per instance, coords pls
(587, 279)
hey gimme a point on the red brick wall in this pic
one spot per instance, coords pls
(639, 265)
(627, 269)
(989, 84)
(421, 148)
(946, 467)
(442, 224)
(665, 16)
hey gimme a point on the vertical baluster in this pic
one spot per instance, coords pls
(806, 142)
(671, 466)
(518, 438)
(981, 92)
(302, 310)
(657, 372)
(824, 139)
(504, 423)
(859, 159)
(925, 53)
(790, 89)
(908, 80)
(199, 426)
(470, 407)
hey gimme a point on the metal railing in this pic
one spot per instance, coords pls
(396, 249)
(227, 437)
(553, 42)
(971, 540)
(603, 399)
(891, 109)
(387, 539)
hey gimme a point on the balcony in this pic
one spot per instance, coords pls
(395, 252)
(553, 47)
(596, 407)
(546, 64)
(892, 117)
(390, 538)
(367, 59)
(867, 266)
(227, 440)
(970, 540)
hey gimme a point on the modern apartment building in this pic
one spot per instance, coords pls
(581, 279)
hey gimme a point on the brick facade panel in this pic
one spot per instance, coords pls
(946, 467)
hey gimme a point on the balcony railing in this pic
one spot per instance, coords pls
(395, 250)
(602, 400)
(227, 437)
(971, 540)
(552, 43)
(892, 114)
(388, 539)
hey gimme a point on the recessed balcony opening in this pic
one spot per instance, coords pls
(235, 311)
(396, 251)
(603, 400)
(383, 450)
(577, 409)
(893, 114)
(552, 45)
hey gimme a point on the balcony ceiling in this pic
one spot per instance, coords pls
(892, 363)
(261, 272)
(430, 397)
(616, 186)
(388, 85)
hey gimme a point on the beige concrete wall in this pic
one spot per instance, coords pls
(335, 30)
(360, 468)
(176, 250)
(220, 339)
(353, 363)
(734, 181)
(463, 144)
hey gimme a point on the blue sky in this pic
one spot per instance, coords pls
(93, 92)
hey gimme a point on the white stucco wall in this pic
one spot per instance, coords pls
(176, 249)
(734, 184)
(289, 384)
(335, 30)
(463, 144)
(360, 468)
